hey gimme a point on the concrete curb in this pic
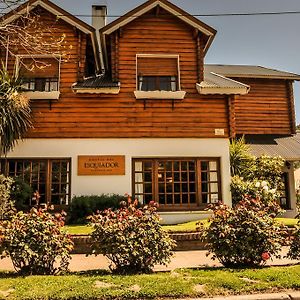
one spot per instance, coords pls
(289, 295)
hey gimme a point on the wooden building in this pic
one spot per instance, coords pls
(132, 107)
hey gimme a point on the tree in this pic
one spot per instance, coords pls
(253, 176)
(27, 33)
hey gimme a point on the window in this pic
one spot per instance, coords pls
(50, 177)
(177, 183)
(159, 83)
(40, 76)
(284, 200)
(158, 77)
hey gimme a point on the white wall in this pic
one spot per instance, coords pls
(56, 148)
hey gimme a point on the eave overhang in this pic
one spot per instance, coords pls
(27, 7)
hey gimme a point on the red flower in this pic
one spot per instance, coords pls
(265, 256)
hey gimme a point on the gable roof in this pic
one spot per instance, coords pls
(168, 6)
(246, 71)
(57, 11)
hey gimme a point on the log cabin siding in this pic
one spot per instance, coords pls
(111, 116)
(265, 110)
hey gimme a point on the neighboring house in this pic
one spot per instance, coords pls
(155, 122)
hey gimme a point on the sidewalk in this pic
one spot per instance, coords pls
(181, 259)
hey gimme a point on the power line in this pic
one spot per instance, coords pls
(196, 15)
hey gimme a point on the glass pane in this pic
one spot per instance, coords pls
(204, 176)
(213, 187)
(165, 83)
(213, 165)
(177, 198)
(148, 177)
(138, 177)
(192, 198)
(161, 199)
(213, 176)
(176, 166)
(139, 188)
(161, 188)
(138, 166)
(191, 165)
(192, 176)
(204, 198)
(184, 165)
(184, 187)
(169, 199)
(185, 198)
(147, 166)
(214, 198)
(192, 187)
(148, 198)
(204, 187)
(184, 176)
(177, 187)
(148, 187)
(204, 165)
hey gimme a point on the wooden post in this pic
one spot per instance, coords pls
(291, 106)
(200, 66)
(231, 115)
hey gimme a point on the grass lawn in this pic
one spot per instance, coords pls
(184, 227)
(179, 283)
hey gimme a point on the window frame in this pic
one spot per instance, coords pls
(146, 55)
(48, 95)
(159, 95)
(198, 205)
(4, 169)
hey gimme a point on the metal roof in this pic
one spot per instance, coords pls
(217, 84)
(288, 147)
(213, 80)
(102, 81)
(250, 72)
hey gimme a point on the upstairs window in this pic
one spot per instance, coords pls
(40, 76)
(158, 77)
(158, 83)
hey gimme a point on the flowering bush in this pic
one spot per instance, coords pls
(131, 238)
(294, 251)
(246, 235)
(34, 242)
(241, 188)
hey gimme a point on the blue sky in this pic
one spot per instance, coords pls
(270, 41)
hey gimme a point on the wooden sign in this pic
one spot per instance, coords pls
(101, 165)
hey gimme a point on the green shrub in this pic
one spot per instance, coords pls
(34, 242)
(21, 192)
(246, 235)
(131, 238)
(294, 251)
(83, 206)
(6, 204)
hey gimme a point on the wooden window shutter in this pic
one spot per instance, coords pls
(157, 66)
(40, 68)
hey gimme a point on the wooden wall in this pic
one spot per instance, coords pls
(266, 109)
(121, 116)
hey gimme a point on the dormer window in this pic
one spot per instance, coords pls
(158, 77)
(40, 76)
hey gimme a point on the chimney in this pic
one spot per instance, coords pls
(99, 15)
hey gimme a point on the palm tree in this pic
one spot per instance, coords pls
(15, 113)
